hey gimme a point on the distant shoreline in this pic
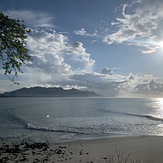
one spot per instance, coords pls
(49, 92)
(53, 97)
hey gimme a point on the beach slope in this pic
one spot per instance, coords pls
(145, 149)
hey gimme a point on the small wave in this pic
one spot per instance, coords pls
(150, 117)
(79, 130)
(41, 128)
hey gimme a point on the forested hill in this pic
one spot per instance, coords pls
(48, 92)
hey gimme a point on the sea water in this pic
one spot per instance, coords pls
(66, 119)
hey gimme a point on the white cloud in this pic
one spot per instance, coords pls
(78, 53)
(46, 48)
(83, 32)
(32, 18)
(142, 23)
(54, 57)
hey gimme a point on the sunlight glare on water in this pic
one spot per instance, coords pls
(158, 106)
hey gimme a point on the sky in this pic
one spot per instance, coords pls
(114, 48)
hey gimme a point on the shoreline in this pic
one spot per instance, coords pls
(132, 148)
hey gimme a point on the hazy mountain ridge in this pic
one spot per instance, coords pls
(48, 92)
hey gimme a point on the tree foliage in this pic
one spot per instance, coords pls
(13, 50)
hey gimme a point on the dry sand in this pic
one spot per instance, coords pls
(145, 149)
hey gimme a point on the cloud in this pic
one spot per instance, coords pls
(32, 18)
(83, 32)
(101, 83)
(46, 49)
(149, 51)
(54, 57)
(140, 21)
(118, 85)
(106, 83)
(107, 70)
(149, 87)
(78, 53)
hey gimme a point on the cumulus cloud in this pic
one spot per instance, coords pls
(142, 23)
(83, 32)
(54, 57)
(32, 18)
(46, 50)
(78, 53)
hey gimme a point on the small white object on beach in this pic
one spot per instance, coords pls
(47, 116)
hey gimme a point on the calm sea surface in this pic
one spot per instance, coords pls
(64, 119)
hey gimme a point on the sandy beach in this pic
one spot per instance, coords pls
(123, 149)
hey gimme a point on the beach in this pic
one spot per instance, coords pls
(123, 149)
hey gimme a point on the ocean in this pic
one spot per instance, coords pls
(67, 119)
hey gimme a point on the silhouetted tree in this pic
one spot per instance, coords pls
(13, 50)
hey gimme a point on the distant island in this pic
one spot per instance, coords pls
(49, 92)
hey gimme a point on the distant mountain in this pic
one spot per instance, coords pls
(48, 92)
